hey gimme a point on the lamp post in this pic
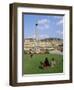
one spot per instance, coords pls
(36, 38)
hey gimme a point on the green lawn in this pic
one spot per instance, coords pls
(31, 65)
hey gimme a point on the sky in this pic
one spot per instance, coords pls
(48, 26)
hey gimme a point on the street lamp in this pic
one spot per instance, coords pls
(36, 38)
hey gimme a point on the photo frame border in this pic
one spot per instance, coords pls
(13, 43)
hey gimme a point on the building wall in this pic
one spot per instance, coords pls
(42, 44)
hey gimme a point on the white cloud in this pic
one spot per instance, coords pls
(43, 24)
(44, 36)
(41, 36)
(43, 21)
(60, 22)
(59, 32)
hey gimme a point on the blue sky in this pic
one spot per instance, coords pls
(49, 26)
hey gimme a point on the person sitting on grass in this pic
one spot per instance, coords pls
(45, 63)
(53, 62)
(31, 54)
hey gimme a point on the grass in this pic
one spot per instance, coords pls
(31, 65)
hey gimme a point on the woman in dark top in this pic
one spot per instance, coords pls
(46, 62)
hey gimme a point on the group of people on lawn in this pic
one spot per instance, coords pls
(47, 64)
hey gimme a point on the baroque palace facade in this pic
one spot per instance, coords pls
(43, 46)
